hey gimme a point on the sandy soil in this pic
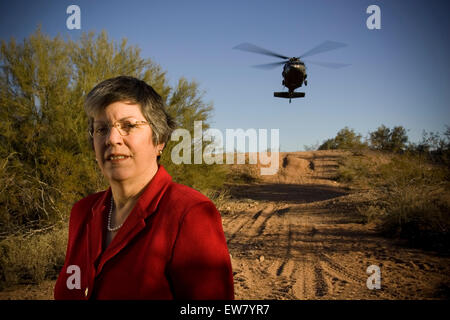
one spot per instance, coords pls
(297, 235)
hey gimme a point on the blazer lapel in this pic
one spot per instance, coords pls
(135, 222)
(95, 229)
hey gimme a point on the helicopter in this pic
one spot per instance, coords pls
(294, 69)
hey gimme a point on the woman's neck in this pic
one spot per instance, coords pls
(127, 192)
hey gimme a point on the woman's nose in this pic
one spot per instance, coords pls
(113, 136)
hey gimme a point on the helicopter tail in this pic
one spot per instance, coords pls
(289, 95)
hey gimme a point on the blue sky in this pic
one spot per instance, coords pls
(399, 75)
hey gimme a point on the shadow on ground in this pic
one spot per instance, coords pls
(290, 193)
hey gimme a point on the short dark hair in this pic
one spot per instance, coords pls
(132, 90)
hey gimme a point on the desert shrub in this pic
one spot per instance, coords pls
(29, 258)
(219, 197)
(370, 213)
(416, 201)
(411, 196)
(351, 172)
(434, 145)
(242, 174)
(354, 170)
(418, 216)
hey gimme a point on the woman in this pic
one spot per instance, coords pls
(145, 237)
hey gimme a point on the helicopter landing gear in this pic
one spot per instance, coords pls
(306, 82)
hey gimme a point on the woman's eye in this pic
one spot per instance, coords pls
(129, 125)
(101, 130)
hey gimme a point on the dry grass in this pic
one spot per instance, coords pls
(411, 196)
(32, 258)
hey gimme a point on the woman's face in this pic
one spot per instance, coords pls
(125, 157)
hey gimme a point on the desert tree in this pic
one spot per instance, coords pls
(387, 139)
(346, 138)
(46, 160)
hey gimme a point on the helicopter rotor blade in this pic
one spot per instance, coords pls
(269, 66)
(323, 47)
(255, 49)
(331, 65)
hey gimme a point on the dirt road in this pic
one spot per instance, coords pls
(296, 236)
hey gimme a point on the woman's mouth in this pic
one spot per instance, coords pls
(117, 158)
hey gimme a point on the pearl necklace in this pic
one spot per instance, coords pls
(111, 229)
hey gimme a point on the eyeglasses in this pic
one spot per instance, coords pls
(125, 127)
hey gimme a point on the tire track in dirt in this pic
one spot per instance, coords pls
(281, 269)
(299, 269)
(299, 275)
(257, 276)
(244, 220)
(277, 211)
(321, 288)
(259, 221)
(327, 278)
(287, 256)
(295, 267)
(305, 273)
(336, 268)
(307, 278)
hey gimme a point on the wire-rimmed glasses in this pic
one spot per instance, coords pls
(124, 126)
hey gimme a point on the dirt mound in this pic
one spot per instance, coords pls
(311, 167)
(295, 167)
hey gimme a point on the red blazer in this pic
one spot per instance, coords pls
(171, 246)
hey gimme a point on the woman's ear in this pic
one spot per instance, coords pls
(159, 151)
